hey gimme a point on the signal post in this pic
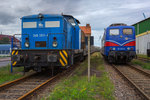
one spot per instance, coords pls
(86, 35)
(89, 58)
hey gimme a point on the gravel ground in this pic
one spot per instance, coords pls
(123, 90)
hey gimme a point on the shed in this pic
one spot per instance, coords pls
(5, 49)
(142, 29)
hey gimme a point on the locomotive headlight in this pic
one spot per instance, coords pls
(54, 44)
(128, 48)
(26, 44)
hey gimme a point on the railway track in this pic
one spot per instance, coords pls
(143, 59)
(137, 78)
(24, 88)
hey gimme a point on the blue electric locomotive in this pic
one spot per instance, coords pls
(118, 43)
(48, 40)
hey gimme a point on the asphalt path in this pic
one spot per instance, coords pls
(4, 61)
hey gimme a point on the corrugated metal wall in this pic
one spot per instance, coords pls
(142, 26)
(143, 40)
(142, 43)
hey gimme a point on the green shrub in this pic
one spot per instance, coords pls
(77, 86)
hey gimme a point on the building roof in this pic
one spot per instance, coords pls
(2, 36)
(142, 21)
(8, 36)
(86, 29)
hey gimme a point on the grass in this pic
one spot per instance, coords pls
(6, 76)
(145, 65)
(143, 56)
(77, 86)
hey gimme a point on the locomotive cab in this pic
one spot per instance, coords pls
(41, 32)
(47, 40)
(120, 44)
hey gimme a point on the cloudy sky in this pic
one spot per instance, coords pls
(98, 13)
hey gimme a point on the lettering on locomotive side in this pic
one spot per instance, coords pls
(35, 35)
(39, 35)
(121, 49)
(42, 35)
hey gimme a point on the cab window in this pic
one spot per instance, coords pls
(71, 20)
(52, 23)
(29, 24)
(114, 32)
(127, 31)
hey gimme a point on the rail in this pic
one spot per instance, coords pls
(143, 93)
(23, 86)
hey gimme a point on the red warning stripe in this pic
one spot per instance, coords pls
(110, 44)
(130, 44)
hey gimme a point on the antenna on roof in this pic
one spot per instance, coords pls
(144, 16)
(99, 37)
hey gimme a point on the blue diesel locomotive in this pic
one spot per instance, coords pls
(118, 43)
(48, 40)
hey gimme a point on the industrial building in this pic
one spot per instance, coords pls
(5, 46)
(142, 30)
(86, 30)
(5, 49)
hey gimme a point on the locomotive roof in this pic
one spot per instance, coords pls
(118, 24)
(49, 15)
(72, 17)
(44, 15)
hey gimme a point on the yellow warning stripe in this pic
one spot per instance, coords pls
(61, 62)
(63, 57)
(65, 53)
(13, 52)
(16, 53)
(14, 63)
(144, 33)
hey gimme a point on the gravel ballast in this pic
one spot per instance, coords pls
(123, 90)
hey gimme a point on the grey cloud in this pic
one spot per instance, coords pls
(59, 6)
(99, 13)
(6, 18)
(23, 10)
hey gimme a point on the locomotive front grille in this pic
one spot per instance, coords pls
(40, 44)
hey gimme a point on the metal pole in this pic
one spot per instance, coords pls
(89, 58)
(11, 53)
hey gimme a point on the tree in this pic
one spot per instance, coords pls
(4, 40)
